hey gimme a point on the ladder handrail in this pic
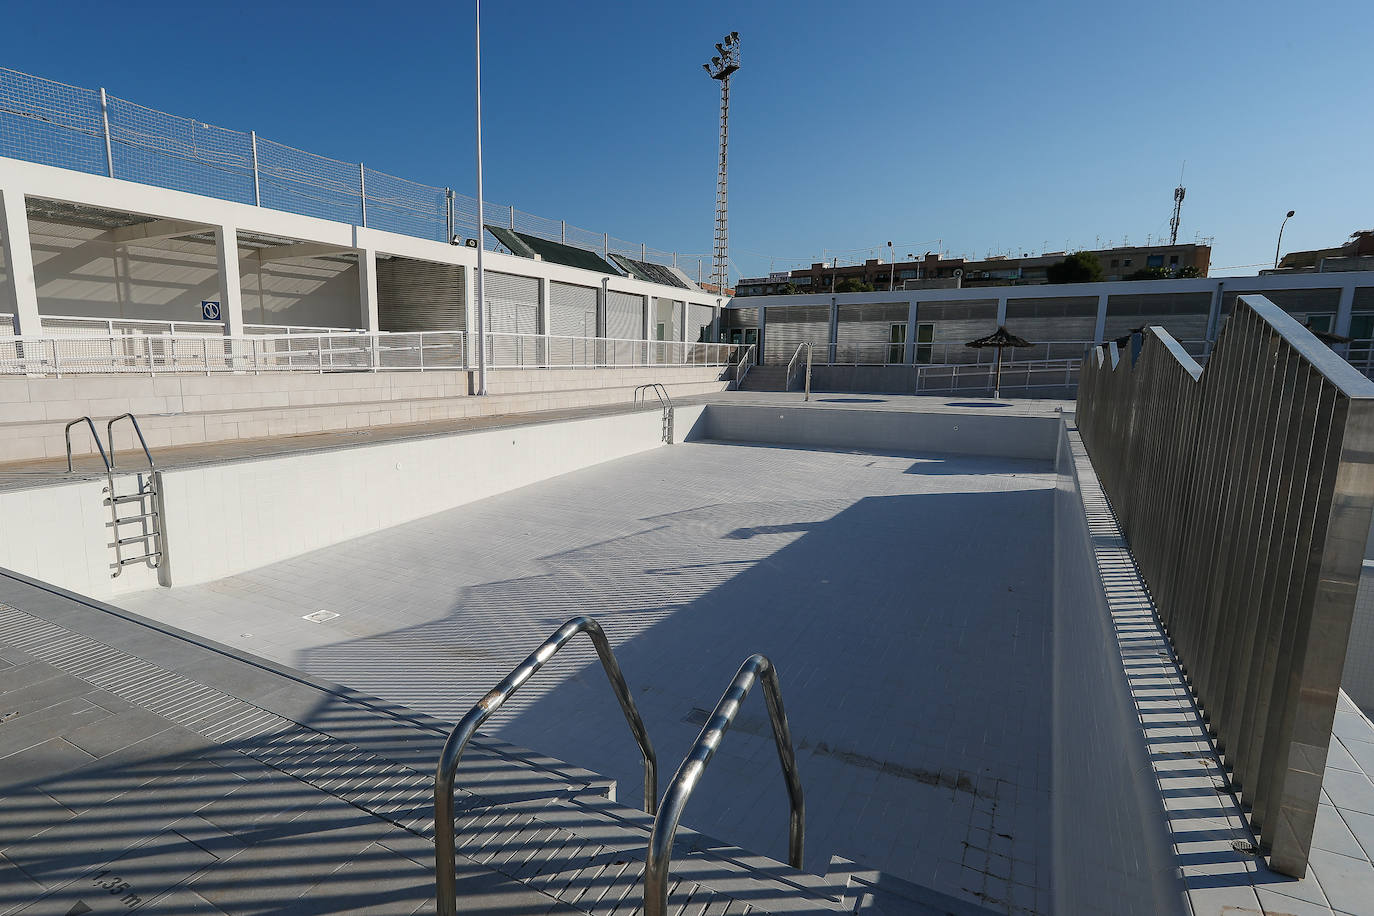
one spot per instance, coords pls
(444, 846)
(755, 667)
(658, 388)
(787, 379)
(109, 434)
(94, 435)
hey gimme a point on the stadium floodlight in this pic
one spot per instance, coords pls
(720, 69)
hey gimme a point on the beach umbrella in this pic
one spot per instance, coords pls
(1001, 338)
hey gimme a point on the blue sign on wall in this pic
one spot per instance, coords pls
(209, 310)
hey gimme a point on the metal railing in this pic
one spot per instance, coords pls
(340, 351)
(78, 325)
(679, 791)
(150, 521)
(446, 772)
(67, 434)
(88, 130)
(794, 363)
(746, 360)
(954, 352)
(953, 377)
(1245, 491)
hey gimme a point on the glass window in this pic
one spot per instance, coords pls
(1362, 327)
(1126, 263)
(1173, 259)
(925, 334)
(896, 339)
(1154, 260)
(1320, 322)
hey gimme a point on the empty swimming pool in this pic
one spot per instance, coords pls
(905, 599)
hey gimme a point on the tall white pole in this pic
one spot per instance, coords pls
(481, 222)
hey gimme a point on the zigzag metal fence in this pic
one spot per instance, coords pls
(1245, 491)
(52, 123)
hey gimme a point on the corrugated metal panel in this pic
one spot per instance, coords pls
(1290, 300)
(420, 296)
(1152, 305)
(972, 309)
(699, 318)
(789, 327)
(1057, 307)
(739, 318)
(512, 303)
(863, 333)
(624, 316)
(572, 310)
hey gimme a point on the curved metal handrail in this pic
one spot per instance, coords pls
(445, 869)
(755, 667)
(94, 435)
(657, 388)
(743, 365)
(109, 434)
(787, 380)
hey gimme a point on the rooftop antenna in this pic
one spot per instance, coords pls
(721, 66)
(1178, 205)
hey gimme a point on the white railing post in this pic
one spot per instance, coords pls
(422, 351)
(253, 346)
(257, 189)
(105, 123)
(205, 353)
(56, 366)
(376, 346)
(148, 351)
(319, 354)
(362, 191)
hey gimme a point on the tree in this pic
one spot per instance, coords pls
(851, 285)
(1150, 273)
(1079, 267)
(1188, 272)
(787, 289)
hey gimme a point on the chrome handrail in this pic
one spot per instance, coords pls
(787, 381)
(445, 872)
(657, 387)
(94, 435)
(109, 434)
(744, 365)
(755, 667)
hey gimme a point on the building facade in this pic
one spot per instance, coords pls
(933, 271)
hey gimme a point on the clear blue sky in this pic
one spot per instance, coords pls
(989, 126)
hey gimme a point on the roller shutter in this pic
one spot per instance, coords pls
(864, 334)
(624, 316)
(699, 317)
(572, 321)
(420, 296)
(513, 308)
(786, 328)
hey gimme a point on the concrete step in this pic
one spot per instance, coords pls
(765, 378)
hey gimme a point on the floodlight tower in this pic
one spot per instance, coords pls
(1178, 209)
(721, 66)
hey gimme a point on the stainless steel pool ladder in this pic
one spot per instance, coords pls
(642, 396)
(445, 872)
(755, 668)
(146, 495)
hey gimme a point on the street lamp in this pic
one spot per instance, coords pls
(1280, 241)
(892, 275)
(481, 226)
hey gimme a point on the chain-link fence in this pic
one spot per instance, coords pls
(51, 123)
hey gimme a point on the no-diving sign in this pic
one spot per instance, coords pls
(209, 310)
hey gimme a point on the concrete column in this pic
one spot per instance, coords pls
(758, 353)
(230, 295)
(18, 289)
(603, 298)
(834, 329)
(470, 315)
(367, 289)
(545, 318)
(1213, 319)
(1001, 310)
(909, 355)
(1100, 328)
(1344, 308)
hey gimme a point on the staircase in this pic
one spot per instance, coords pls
(765, 378)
